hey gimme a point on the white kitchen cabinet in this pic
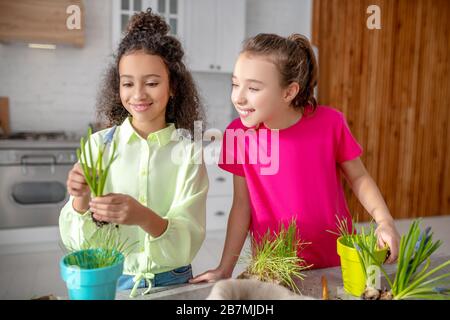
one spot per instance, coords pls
(220, 197)
(220, 181)
(217, 212)
(214, 32)
(122, 10)
(211, 31)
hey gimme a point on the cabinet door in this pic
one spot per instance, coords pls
(200, 35)
(230, 33)
(220, 181)
(217, 212)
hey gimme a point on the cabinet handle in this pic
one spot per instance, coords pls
(219, 213)
(220, 179)
(218, 67)
(211, 66)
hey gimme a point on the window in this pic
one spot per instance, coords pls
(123, 10)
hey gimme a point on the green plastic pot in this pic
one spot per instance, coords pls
(352, 270)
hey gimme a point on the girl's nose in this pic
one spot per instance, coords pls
(139, 93)
(239, 97)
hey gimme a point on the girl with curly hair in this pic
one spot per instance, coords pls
(148, 96)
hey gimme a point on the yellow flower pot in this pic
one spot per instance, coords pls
(352, 270)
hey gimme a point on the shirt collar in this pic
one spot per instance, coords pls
(162, 137)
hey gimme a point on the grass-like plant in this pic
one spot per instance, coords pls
(344, 231)
(366, 245)
(93, 258)
(94, 172)
(100, 250)
(275, 258)
(413, 279)
(96, 175)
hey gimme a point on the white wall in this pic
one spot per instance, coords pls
(282, 17)
(56, 89)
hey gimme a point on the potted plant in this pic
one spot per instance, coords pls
(413, 279)
(275, 258)
(92, 270)
(355, 263)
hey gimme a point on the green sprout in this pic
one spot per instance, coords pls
(101, 250)
(344, 231)
(366, 245)
(275, 258)
(96, 175)
(411, 281)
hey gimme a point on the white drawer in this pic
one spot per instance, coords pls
(217, 211)
(220, 181)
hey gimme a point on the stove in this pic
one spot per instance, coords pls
(33, 174)
(30, 135)
(40, 139)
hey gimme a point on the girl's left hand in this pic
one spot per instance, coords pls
(118, 208)
(388, 235)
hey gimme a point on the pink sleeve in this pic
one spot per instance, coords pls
(228, 160)
(347, 146)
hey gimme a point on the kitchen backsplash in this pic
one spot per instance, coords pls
(56, 89)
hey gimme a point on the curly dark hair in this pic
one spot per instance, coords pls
(149, 32)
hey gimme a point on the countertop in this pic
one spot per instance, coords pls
(311, 286)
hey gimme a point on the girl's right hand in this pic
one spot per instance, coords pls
(76, 183)
(212, 275)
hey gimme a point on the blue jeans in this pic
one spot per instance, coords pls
(175, 276)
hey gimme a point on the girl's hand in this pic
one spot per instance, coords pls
(76, 183)
(119, 209)
(388, 235)
(210, 276)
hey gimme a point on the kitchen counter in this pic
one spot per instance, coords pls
(311, 286)
(29, 264)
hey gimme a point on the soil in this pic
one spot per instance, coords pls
(247, 275)
(376, 294)
(98, 223)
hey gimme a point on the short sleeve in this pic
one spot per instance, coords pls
(232, 152)
(347, 146)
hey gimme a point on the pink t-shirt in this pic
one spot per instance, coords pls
(296, 177)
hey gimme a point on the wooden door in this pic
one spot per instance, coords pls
(393, 84)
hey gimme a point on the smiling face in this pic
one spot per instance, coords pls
(144, 90)
(257, 94)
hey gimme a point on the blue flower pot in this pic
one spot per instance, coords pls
(90, 284)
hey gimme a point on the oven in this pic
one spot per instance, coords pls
(33, 178)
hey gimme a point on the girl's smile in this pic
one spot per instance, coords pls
(244, 113)
(140, 107)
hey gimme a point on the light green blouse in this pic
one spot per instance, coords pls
(164, 173)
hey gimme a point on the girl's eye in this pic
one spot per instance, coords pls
(253, 89)
(126, 84)
(234, 85)
(152, 84)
